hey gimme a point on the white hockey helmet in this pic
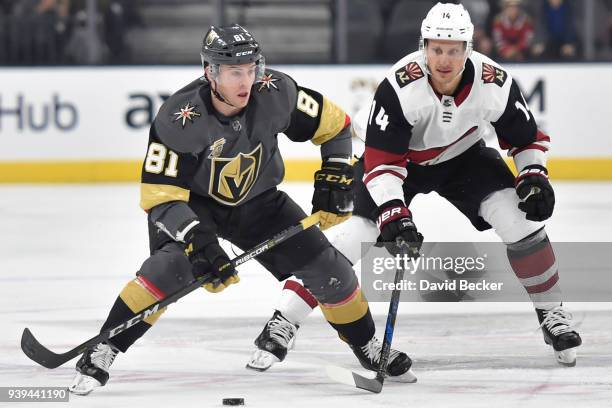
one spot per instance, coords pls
(448, 21)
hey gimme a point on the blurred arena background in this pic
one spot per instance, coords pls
(82, 79)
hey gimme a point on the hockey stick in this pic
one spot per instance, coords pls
(46, 358)
(375, 384)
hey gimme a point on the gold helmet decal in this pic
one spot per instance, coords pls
(231, 179)
(212, 35)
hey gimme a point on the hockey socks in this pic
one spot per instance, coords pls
(533, 261)
(351, 318)
(296, 302)
(135, 296)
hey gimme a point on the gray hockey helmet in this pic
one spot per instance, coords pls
(231, 45)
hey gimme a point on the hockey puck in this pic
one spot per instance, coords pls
(233, 401)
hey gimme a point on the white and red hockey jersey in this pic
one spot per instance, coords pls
(410, 122)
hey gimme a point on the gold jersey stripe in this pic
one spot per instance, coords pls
(348, 312)
(136, 297)
(155, 194)
(331, 123)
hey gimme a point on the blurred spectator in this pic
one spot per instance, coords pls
(119, 16)
(479, 12)
(609, 36)
(603, 28)
(114, 19)
(83, 48)
(559, 38)
(43, 40)
(513, 32)
(6, 7)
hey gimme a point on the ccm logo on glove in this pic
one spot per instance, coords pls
(333, 178)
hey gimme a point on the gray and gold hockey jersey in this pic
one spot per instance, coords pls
(195, 150)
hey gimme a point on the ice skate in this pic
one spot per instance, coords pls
(277, 337)
(398, 365)
(92, 369)
(557, 328)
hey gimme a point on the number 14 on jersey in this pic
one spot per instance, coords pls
(382, 119)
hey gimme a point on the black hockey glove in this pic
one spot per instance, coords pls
(211, 259)
(397, 229)
(536, 193)
(333, 194)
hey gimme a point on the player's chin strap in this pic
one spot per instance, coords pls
(218, 95)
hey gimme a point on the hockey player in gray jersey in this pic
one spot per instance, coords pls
(211, 170)
(424, 133)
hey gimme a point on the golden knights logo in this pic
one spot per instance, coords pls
(212, 36)
(493, 75)
(408, 74)
(231, 179)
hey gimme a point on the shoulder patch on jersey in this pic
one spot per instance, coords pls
(181, 123)
(408, 74)
(267, 82)
(493, 75)
(187, 114)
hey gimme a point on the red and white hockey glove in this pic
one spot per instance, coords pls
(536, 194)
(397, 229)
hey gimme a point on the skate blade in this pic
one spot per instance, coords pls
(83, 384)
(566, 358)
(291, 344)
(262, 360)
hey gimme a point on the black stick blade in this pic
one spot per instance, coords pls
(39, 353)
(36, 351)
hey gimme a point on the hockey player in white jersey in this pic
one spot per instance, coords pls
(425, 133)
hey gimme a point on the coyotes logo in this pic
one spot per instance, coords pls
(493, 75)
(408, 74)
(231, 179)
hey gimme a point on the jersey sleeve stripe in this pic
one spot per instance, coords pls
(533, 146)
(333, 120)
(542, 137)
(376, 157)
(155, 194)
(378, 171)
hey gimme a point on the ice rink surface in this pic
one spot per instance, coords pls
(67, 250)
